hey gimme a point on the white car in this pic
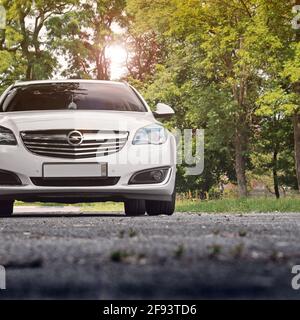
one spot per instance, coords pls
(74, 141)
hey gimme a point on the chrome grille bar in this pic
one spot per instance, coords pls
(83, 145)
(75, 149)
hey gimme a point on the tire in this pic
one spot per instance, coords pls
(6, 208)
(135, 208)
(156, 208)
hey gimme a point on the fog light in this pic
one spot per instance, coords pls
(9, 179)
(149, 176)
(157, 175)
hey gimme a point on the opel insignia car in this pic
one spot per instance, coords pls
(75, 141)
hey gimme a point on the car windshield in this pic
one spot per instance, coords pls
(73, 96)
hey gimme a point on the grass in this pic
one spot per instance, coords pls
(90, 207)
(214, 250)
(178, 253)
(212, 206)
(119, 256)
(241, 205)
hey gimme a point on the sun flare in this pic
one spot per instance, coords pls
(117, 55)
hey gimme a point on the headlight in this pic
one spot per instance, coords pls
(7, 137)
(153, 134)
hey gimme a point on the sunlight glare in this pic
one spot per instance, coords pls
(117, 55)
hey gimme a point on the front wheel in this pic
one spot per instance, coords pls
(156, 208)
(6, 208)
(135, 208)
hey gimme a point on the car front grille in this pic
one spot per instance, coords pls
(74, 144)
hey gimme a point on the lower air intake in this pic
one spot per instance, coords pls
(75, 182)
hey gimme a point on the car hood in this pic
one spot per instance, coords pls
(75, 119)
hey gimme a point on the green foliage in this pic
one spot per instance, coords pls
(276, 101)
(228, 70)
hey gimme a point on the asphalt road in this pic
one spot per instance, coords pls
(65, 255)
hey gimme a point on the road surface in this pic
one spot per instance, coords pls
(64, 254)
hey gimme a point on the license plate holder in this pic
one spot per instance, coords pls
(74, 170)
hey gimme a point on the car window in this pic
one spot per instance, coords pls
(73, 96)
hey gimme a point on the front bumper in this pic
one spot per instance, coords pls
(25, 165)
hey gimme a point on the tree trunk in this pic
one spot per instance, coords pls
(275, 175)
(240, 163)
(297, 146)
(29, 75)
(102, 66)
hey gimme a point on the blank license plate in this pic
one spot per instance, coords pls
(77, 170)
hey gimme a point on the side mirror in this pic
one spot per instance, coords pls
(163, 111)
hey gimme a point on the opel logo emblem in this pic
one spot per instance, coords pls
(75, 138)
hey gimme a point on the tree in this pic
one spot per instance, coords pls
(226, 44)
(274, 139)
(24, 35)
(84, 34)
(144, 53)
(292, 74)
(282, 73)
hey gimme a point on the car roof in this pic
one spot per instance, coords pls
(36, 82)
